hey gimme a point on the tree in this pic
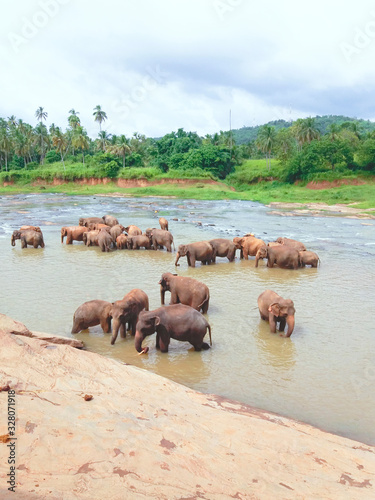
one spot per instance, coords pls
(41, 115)
(5, 144)
(73, 119)
(99, 116)
(121, 148)
(305, 131)
(104, 140)
(61, 143)
(265, 141)
(80, 140)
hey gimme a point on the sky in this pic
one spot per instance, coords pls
(155, 66)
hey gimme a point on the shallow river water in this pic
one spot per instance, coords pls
(323, 374)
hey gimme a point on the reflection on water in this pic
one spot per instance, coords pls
(323, 374)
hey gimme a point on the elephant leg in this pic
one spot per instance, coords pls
(272, 320)
(164, 343)
(245, 254)
(122, 330)
(157, 341)
(133, 324)
(205, 307)
(69, 240)
(191, 261)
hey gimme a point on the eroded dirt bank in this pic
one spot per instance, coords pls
(143, 436)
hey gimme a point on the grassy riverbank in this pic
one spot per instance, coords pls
(250, 181)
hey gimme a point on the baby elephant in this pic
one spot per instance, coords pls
(275, 309)
(91, 313)
(308, 258)
(178, 322)
(185, 290)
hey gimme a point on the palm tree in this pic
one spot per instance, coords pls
(61, 143)
(73, 119)
(12, 121)
(5, 144)
(41, 115)
(265, 141)
(104, 139)
(80, 140)
(100, 116)
(306, 131)
(333, 131)
(121, 148)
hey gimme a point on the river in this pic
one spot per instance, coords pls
(323, 374)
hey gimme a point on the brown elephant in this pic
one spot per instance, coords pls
(178, 322)
(33, 228)
(85, 221)
(163, 223)
(133, 230)
(121, 241)
(116, 230)
(283, 255)
(90, 238)
(28, 237)
(184, 290)
(249, 245)
(138, 241)
(307, 258)
(72, 233)
(92, 313)
(275, 309)
(291, 243)
(200, 250)
(105, 240)
(160, 238)
(94, 226)
(127, 310)
(110, 220)
(223, 248)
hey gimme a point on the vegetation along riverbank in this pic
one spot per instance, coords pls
(329, 160)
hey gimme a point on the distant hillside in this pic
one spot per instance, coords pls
(247, 134)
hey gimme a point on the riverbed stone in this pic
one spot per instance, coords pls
(143, 436)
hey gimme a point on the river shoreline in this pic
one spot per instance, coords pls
(118, 429)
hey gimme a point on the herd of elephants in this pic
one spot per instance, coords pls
(183, 319)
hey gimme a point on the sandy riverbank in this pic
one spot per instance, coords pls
(143, 436)
(321, 210)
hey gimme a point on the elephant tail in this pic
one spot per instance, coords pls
(204, 305)
(209, 331)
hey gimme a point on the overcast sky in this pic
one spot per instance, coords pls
(158, 65)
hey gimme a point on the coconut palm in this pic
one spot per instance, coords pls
(104, 140)
(80, 140)
(305, 130)
(5, 144)
(41, 115)
(12, 121)
(73, 119)
(121, 148)
(265, 141)
(100, 116)
(61, 143)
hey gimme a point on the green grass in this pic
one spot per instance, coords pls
(245, 183)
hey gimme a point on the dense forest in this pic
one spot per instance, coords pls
(306, 148)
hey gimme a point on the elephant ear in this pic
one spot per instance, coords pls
(157, 321)
(274, 309)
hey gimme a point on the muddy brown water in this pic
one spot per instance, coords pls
(323, 375)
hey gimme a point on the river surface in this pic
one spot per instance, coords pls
(324, 374)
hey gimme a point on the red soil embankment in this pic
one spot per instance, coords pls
(333, 184)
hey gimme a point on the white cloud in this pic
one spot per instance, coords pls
(158, 66)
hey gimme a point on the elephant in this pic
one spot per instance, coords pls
(138, 241)
(90, 238)
(291, 243)
(121, 241)
(179, 322)
(223, 248)
(307, 258)
(95, 226)
(85, 221)
(163, 223)
(110, 220)
(283, 255)
(184, 290)
(249, 245)
(116, 230)
(133, 230)
(105, 240)
(72, 233)
(275, 309)
(160, 238)
(91, 313)
(127, 310)
(28, 237)
(200, 250)
(33, 228)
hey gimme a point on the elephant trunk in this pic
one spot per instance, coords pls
(162, 294)
(62, 237)
(290, 323)
(116, 323)
(13, 240)
(177, 259)
(138, 342)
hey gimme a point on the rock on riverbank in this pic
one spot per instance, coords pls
(143, 436)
